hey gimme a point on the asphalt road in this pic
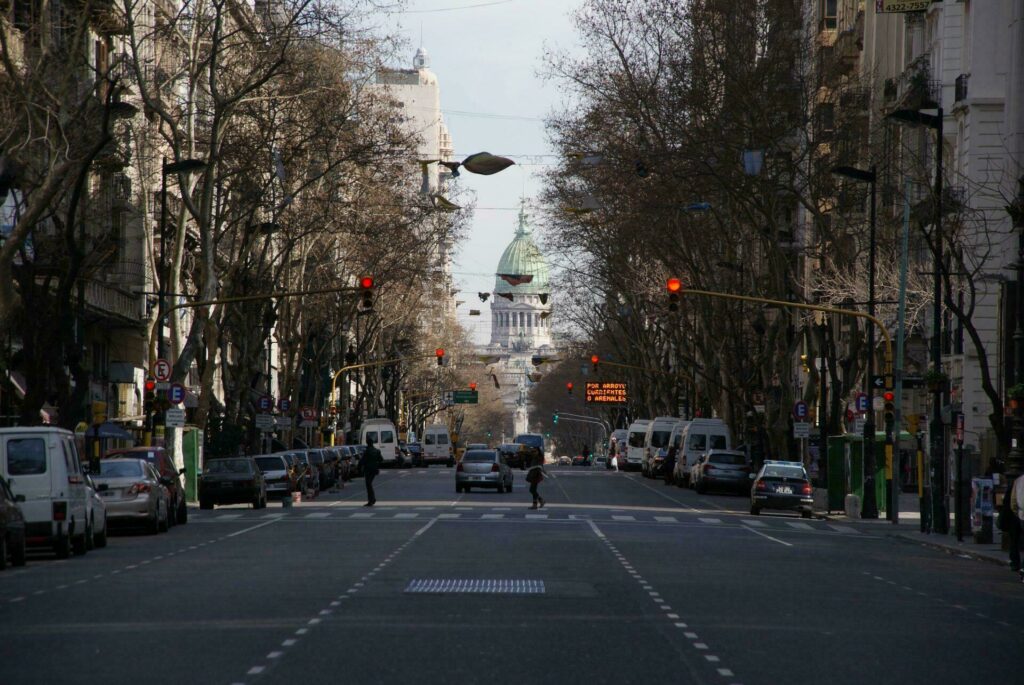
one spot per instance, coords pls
(617, 580)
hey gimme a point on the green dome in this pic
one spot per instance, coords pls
(522, 257)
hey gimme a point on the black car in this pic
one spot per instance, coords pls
(415, 451)
(235, 480)
(782, 485)
(12, 527)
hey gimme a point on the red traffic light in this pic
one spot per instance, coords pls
(365, 282)
(150, 385)
(594, 359)
(674, 285)
(472, 386)
(568, 386)
(888, 396)
(439, 352)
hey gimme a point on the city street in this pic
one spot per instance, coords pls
(617, 580)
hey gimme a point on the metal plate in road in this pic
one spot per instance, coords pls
(476, 586)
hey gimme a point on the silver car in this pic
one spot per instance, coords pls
(134, 493)
(275, 473)
(483, 469)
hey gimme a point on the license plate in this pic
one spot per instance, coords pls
(784, 489)
(477, 478)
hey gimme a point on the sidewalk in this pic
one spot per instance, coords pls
(909, 529)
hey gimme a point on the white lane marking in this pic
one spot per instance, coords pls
(754, 523)
(848, 530)
(709, 520)
(712, 658)
(725, 672)
(536, 516)
(672, 616)
(690, 635)
(16, 599)
(422, 530)
(799, 525)
(274, 515)
(251, 528)
(757, 532)
(666, 519)
(274, 655)
(225, 517)
(597, 531)
(289, 642)
(406, 516)
(302, 631)
(318, 515)
(449, 516)
(256, 670)
(623, 518)
(361, 515)
(699, 645)
(493, 516)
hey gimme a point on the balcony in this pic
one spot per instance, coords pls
(960, 89)
(104, 299)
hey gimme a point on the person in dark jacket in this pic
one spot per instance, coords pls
(669, 465)
(371, 467)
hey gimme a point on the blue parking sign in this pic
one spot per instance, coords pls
(862, 403)
(176, 393)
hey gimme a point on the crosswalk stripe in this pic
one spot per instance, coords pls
(623, 518)
(666, 519)
(361, 515)
(318, 515)
(493, 516)
(224, 517)
(274, 516)
(536, 516)
(754, 523)
(799, 525)
(709, 520)
(844, 529)
(448, 516)
(406, 516)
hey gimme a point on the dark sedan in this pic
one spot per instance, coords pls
(236, 480)
(782, 485)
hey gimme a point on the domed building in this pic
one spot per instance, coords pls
(520, 318)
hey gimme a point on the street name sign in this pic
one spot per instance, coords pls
(284, 422)
(174, 418)
(465, 396)
(606, 392)
(265, 422)
(801, 429)
(901, 6)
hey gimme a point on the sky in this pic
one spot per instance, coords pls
(488, 56)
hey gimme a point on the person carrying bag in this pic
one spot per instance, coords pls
(534, 475)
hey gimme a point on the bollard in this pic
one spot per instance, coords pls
(851, 504)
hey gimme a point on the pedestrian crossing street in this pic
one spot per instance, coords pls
(448, 513)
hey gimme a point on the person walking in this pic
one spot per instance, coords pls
(534, 475)
(1015, 523)
(670, 463)
(371, 467)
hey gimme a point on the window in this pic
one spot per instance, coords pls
(387, 436)
(442, 439)
(428, 439)
(120, 468)
(731, 459)
(660, 438)
(372, 435)
(828, 13)
(718, 442)
(697, 442)
(70, 457)
(637, 439)
(26, 456)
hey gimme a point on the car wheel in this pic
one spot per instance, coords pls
(18, 551)
(805, 514)
(89, 540)
(755, 510)
(466, 489)
(172, 517)
(62, 546)
(78, 544)
(164, 524)
(204, 504)
(100, 538)
(153, 526)
(182, 512)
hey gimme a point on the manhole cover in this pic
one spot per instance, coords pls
(482, 586)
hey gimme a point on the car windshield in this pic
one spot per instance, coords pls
(270, 463)
(316, 457)
(228, 466)
(120, 468)
(637, 439)
(784, 472)
(480, 455)
(26, 456)
(660, 438)
(731, 459)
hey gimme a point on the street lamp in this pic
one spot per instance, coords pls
(936, 430)
(183, 166)
(869, 507)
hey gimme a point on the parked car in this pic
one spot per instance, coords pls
(316, 460)
(565, 460)
(134, 494)
(782, 485)
(722, 470)
(164, 464)
(477, 446)
(415, 450)
(97, 513)
(600, 463)
(235, 480)
(483, 469)
(357, 455)
(41, 464)
(349, 462)
(437, 445)
(700, 436)
(276, 474)
(12, 527)
(579, 460)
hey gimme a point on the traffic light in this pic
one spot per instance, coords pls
(889, 412)
(366, 293)
(641, 168)
(149, 395)
(594, 360)
(439, 353)
(674, 285)
(554, 419)
(803, 363)
(472, 386)
(350, 358)
(568, 386)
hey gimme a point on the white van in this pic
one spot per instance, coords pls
(437, 446)
(41, 464)
(384, 436)
(635, 444)
(656, 442)
(700, 436)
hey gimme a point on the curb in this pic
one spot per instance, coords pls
(950, 549)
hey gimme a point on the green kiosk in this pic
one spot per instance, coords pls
(846, 468)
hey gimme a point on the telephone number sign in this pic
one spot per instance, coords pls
(606, 393)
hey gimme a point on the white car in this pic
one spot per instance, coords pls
(96, 512)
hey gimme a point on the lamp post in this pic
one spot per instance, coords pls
(936, 430)
(183, 166)
(869, 507)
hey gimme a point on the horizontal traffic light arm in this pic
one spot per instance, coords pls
(583, 417)
(365, 365)
(808, 307)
